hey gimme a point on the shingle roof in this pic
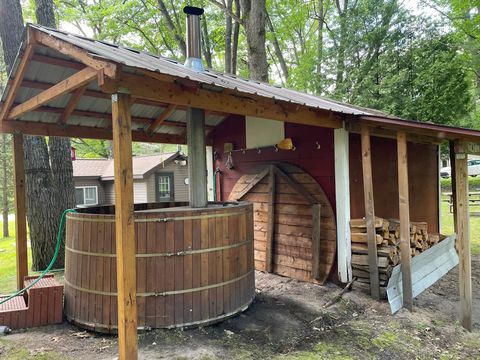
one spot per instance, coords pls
(103, 168)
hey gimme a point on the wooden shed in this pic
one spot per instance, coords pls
(346, 162)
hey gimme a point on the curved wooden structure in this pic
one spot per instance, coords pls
(194, 266)
(299, 240)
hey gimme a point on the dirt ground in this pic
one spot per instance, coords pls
(287, 321)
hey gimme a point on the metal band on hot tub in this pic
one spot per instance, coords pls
(165, 293)
(165, 219)
(179, 253)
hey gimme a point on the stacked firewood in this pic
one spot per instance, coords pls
(387, 236)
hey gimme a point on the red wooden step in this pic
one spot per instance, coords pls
(43, 305)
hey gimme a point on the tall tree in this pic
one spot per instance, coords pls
(44, 190)
(59, 149)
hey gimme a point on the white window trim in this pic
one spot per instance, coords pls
(87, 187)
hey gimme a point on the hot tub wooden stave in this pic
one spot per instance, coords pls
(205, 255)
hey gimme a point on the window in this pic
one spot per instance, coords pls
(164, 186)
(86, 195)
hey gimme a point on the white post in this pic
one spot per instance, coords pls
(342, 194)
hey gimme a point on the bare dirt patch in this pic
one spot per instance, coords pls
(287, 320)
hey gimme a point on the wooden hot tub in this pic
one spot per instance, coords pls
(194, 266)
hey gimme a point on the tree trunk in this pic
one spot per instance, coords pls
(207, 53)
(41, 201)
(321, 19)
(254, 19)
(228, 38)
(5, 208)
(278, 50)
(59, 154)
(44, 13)
(11, 28)
(177, 33)
(236, 33)
(342, 15)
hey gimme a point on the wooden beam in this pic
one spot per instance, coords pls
(57, 61)
(295, 185)
(342, 195)
(161, 119)
(17, 80)
(124, 227)
(353, 125)
(75, 52)
(72, 104)
(153, 89)
(316, 227)
(259, 177)
(463, 234)
(404, 211)
(102, 95)
(107, 116)
(197, 158)
(453, 181)
(370, 212)
(270, 221)
(20, 210)
(86, 132)
(73, 82)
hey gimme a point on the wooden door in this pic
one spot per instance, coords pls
(294, 223)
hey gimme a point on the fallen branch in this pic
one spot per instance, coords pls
(339, 296)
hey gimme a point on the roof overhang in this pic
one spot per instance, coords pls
(61, 85)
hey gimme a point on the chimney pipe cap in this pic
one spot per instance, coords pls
(192, 10)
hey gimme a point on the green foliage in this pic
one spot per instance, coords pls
(372, 53)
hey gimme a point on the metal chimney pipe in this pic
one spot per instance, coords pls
(194, 56)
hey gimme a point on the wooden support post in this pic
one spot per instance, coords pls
(20, 210)
(124, 227)
(370, 212)
(270, 221)
(404, 211)
(197, 157)
(316, 226)
(342, 194)
(453, 182)
(463, 234)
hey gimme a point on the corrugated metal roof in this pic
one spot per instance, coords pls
(146, 61)
(94, 108)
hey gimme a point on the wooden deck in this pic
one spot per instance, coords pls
(41, 305)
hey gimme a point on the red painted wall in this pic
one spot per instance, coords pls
(319, 163)
(422, 178)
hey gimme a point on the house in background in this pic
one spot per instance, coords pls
(157, 178)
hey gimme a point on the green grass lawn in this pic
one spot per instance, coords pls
(7, 247)
(8, 278)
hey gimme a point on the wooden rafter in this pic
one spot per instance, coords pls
(102, 95)
(72, 104)
(295, 185)
(75, 52)
(78, 131)
(259, 177)
(153, 89)
(75, 81)
(15, 85)
(161, 119)
(58, 62)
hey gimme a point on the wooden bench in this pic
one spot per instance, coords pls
(473, 201)
(41, 305)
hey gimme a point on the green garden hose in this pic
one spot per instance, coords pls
(54, 258)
